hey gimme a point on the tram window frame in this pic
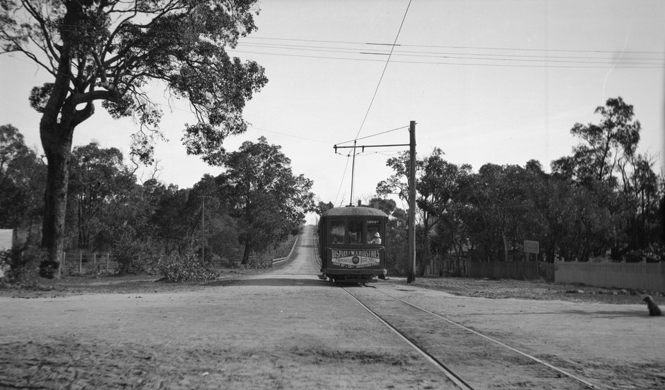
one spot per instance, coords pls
(340, 237)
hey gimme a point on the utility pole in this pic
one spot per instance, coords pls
(353, 170)
(411, 269)
(411, 261)
(203, 227)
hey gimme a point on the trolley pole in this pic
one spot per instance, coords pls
(411, 273)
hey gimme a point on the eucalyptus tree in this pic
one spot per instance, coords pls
(98, 181)
(436, 186)
(112, 51)
(22, 175)
(263, 193)
(606, 163)
(605, 145)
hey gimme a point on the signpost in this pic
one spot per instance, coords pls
(531, 247)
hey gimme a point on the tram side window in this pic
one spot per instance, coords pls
(337, 232)
(374, 232)
(355, 231)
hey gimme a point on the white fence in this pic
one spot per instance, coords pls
(639, 276)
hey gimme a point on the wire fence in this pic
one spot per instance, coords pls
(80, 262)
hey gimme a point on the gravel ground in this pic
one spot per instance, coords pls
(537, 290)
(139, 332)
(485, 288)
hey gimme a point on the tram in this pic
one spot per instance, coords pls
(352, 244)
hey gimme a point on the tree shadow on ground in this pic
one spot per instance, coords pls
(270, 282)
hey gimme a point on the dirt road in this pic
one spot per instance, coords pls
(286, 329)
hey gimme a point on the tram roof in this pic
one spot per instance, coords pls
(354, 211)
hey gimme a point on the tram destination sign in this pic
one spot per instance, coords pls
(355, 258)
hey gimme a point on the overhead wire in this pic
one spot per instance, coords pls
(392, 48)
(373, 135)
(545, 57)
(533, 64)
(460, 47)
(343, 176)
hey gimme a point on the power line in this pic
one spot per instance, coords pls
(342, 181)
(372, 135)
(543, 64)
(460, 47)
(392, 47)
(546, 56)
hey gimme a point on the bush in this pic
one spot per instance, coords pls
(130, 254)
(23, 265)
(652, 255)
(187, 268)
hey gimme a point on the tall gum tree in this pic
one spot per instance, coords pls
(268, 199)
(110, 51)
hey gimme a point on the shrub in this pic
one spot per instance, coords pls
(23, 265)
(130, 254)
(187, 268)
(652, 255)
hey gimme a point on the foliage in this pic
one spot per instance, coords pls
(22, 176)
(186, 268)
(99, 185)
(437, 184)
(21, 266)
(265, 196)
(651, 255)
(114, 52)
(396, 242)
(605, 198)
(322, 207)
(129, 253)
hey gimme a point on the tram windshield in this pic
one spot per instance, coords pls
(355, 231)
(337, 232)
(374, 231)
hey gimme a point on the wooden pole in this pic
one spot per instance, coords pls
(411, 273)
(353, 170)
(80, 262)
(203, 231)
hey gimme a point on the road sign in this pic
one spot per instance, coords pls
(531, 247)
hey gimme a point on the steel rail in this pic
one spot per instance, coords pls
(458, 381)
(566, 373)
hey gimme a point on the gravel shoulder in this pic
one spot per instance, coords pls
(468, 287)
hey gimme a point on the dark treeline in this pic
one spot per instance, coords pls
(602, 201)
(254, 205)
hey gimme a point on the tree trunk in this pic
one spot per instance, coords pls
(245, 255)
(57, 147)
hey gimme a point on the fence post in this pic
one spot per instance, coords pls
(107, 262)
(94, 261)
(80, 262)
(63, 271)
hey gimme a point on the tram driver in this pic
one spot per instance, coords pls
(376, 239)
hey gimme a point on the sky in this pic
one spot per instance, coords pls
(493, 81)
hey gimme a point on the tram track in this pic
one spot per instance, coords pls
(458, 381)
(453, 347)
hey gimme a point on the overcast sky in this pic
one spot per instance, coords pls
(494, 81)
